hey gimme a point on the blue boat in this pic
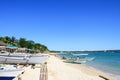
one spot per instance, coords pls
(6, 78)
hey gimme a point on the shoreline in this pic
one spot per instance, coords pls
(106, 73)
(88, 69)
(94, 70)
(59, 70)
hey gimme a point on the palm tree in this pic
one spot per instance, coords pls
(13, 41)
(6, 39)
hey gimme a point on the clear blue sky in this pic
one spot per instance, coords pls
(63, 24)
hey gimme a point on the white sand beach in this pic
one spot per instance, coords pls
(30, 74)
(58, 70)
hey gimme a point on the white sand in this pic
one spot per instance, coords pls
(30, 74)
(58, 70)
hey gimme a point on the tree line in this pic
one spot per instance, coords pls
(24, 43)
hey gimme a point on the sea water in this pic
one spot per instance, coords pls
(108, 62)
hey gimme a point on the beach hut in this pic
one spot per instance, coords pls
(11, 48)
(22, 50)
(2, 43)
(2, 46)
(28, 50)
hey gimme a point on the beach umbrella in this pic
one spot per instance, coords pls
(27, 49)
(12, 47)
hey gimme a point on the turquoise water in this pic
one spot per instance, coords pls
(105, 61)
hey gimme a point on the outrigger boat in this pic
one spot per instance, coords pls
(77, 58)
(21, 58)
(10, 72)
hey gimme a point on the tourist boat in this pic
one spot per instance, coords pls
(79, 58)
(79, 54)
(80, 61)
(69, 60)
(9, 72)
(73, 60)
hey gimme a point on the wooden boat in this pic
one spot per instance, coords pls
(79, 59)
(16, 58)
(9, 72)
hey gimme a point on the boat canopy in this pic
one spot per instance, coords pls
(79, 54)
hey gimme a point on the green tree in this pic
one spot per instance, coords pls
(22, 42)
(7, 39)
(13, 41)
